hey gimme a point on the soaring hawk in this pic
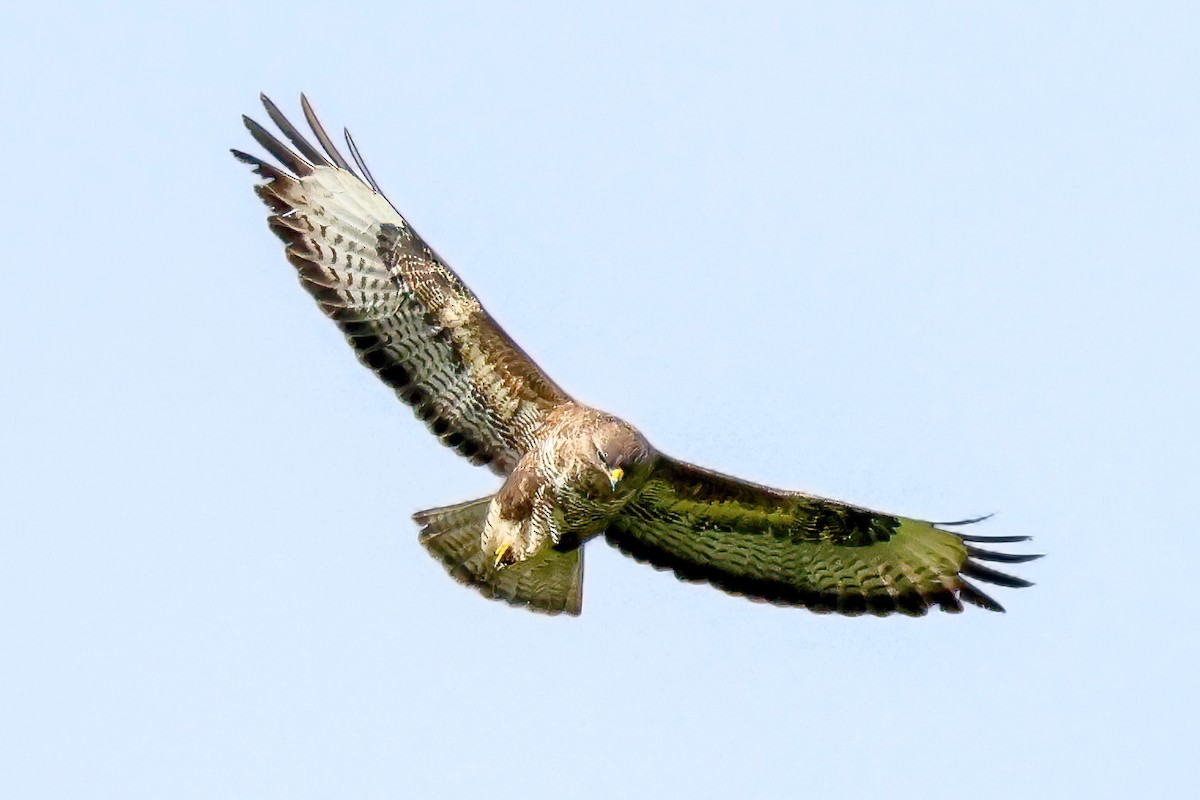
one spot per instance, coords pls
(572, 473)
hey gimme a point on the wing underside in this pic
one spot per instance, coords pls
(794, 549)
(407, 315)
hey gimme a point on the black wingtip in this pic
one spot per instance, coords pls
(972, 537)
(358, 159)
(319, 131)
(362, 165)
(261, 167)
(294, 136)
(966, 537)
(970, 521)
(1006, 558)
(281, 152)
(989, 575)
(969, 593)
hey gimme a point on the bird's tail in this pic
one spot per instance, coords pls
(550, 581)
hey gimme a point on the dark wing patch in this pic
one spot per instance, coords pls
(408, 316)
(795, 549)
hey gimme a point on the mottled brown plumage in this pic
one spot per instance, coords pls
(572, 473)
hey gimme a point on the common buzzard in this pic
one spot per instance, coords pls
(573, 473)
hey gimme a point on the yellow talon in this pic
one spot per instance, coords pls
(502, 551)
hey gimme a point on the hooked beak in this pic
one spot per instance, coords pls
(615, 475)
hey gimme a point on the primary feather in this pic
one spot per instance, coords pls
(572, 473)
(792, 548)
(404, 311)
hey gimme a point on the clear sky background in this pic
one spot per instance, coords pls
(934, 258)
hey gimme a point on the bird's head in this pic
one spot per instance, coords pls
(623, 456)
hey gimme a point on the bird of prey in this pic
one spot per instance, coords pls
(572, 473)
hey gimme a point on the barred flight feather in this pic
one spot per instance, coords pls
(413, 322)
(408, 316)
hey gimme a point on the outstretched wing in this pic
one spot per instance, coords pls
(405, 312)
(790, 548)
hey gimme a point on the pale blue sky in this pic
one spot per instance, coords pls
(931, 258)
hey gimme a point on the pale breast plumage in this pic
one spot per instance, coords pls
(416, 325)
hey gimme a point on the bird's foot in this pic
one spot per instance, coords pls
(505, 555)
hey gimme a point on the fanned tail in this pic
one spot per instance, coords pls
(550, 582)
